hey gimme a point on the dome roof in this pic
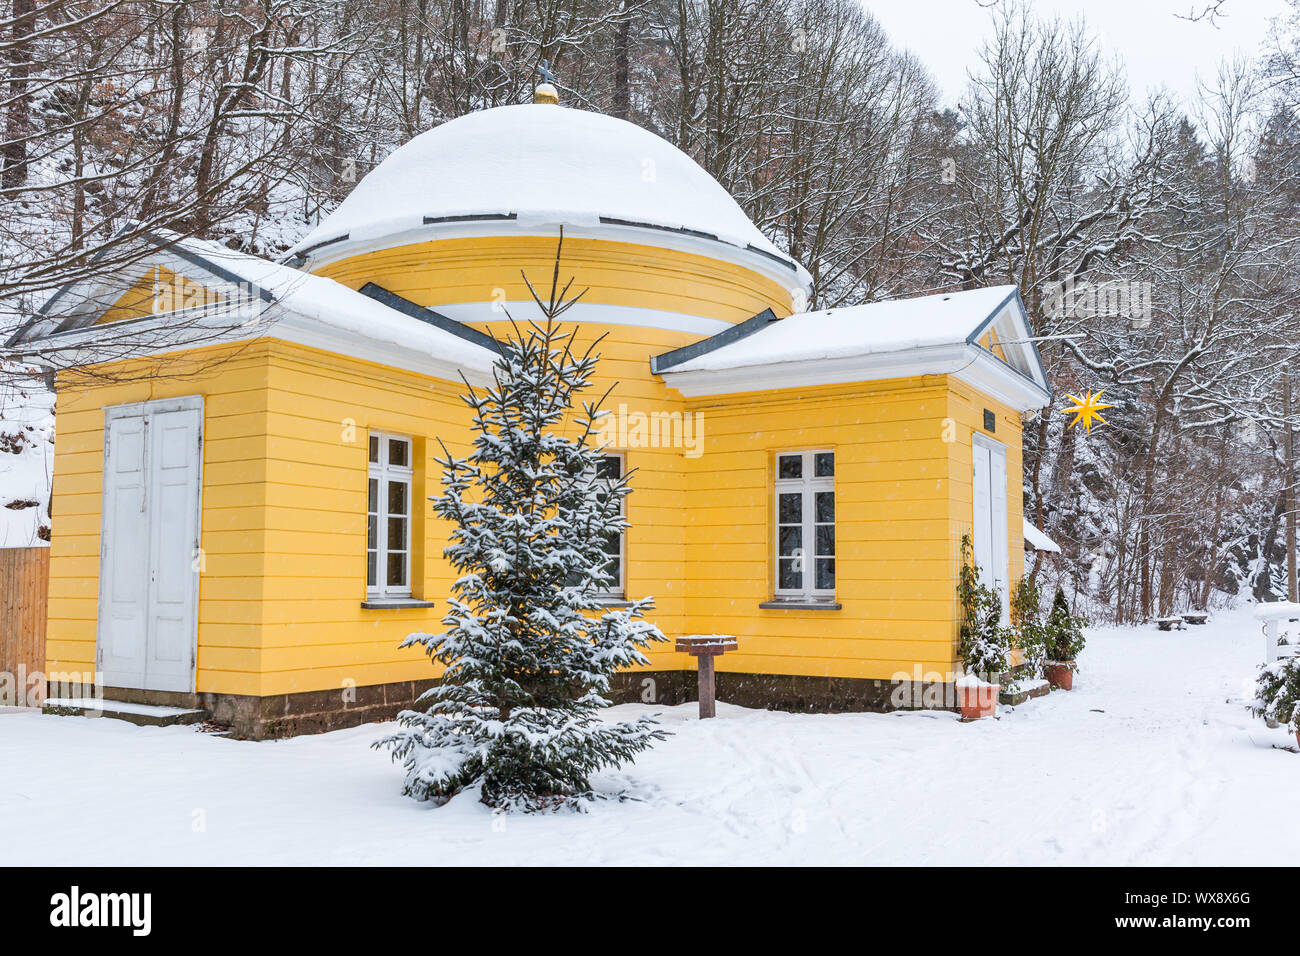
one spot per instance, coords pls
(541, 165)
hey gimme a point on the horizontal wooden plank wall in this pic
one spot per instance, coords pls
(232, 380)
(315, 635)
(894, 567)
(24, 581)
(483, 269)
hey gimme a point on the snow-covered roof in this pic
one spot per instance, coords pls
(933, 334)
(1038, 540)
(334, 304)
(538, 165)
(289, 304)
(891, 326)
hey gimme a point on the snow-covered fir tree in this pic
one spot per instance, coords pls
(529, 649)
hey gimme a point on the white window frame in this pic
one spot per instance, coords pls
(385, 473)
(808, 485)
(619, 591)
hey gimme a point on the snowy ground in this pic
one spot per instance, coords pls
(1152, 759)
(26, 460)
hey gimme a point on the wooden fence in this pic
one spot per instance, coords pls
(24, 582)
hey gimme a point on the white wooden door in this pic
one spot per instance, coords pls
(989, 494)
(149, 558)
(124, 554)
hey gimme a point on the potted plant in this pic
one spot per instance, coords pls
(1028, 628)
(976, 697)
(984, 643)
(1063, 636)
(1278, 693)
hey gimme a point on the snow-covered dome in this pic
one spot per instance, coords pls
(540, 165)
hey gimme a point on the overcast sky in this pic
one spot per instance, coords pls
(1156, 47)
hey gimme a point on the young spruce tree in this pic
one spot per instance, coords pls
(529, 649)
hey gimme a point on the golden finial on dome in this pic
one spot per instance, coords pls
(545, 91)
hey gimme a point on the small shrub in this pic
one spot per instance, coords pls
(1027, 620)
(1063, 634)
(985, 642)
(1278, 692)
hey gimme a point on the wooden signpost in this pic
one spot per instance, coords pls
(704, 648)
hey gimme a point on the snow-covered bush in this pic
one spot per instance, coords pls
(985, 642)
(528, 653)
(1027, 620)
(1064, 631)
(1277, 692)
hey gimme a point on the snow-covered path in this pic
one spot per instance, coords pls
(1152, 759)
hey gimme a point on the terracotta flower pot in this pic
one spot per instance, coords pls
(1059, 675)
(978, 700)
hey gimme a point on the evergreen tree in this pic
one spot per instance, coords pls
(1064, 631)
(528, 657)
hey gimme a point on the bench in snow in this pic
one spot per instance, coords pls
(1169, 623)
(1196, 617)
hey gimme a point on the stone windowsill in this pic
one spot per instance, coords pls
(779, 605)
(394, 604)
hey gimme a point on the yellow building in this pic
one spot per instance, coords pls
(240, 519)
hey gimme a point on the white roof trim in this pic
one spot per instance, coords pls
(181, 331)
(966, 362)
(594, 313)
(1011, 325)
(875, 341)
(277, 301)
(103, 291)
(796, 280)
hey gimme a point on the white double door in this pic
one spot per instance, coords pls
(149, 556)
(990, 506)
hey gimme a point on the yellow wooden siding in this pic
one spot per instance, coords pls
(449, 271)
(991, 342)
(284, 495)
(233, 539)
(893, 563)
(322, 408)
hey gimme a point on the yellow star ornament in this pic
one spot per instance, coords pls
(1086, 409)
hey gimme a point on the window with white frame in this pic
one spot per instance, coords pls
(610, 468)
(805, 525)
(388, 517)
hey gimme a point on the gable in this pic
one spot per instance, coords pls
(170, 277)
(1006, 336)
(185, 292)
(980, 335)
(161, 290)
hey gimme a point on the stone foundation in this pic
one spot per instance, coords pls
(286, 715)
(314, 712)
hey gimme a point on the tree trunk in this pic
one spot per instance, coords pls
(622, 91)
(17, 126)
